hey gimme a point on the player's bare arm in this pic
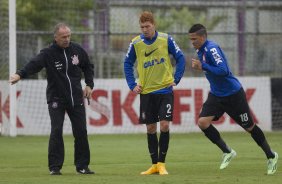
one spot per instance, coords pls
(14, 78)
(196, 64)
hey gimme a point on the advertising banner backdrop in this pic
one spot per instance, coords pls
(115, 109)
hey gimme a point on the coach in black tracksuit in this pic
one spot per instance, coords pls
(64, 61)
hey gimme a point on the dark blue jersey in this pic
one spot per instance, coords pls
(173, 49)
(214, 64)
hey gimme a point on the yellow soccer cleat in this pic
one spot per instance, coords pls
(161, 168)
(152, 170)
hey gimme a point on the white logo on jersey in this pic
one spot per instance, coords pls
(54, 105)
(216, 56)
(129, 48)
(175, 45)
(75, 60)
(58, 65)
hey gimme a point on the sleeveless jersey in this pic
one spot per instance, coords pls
(153, 63)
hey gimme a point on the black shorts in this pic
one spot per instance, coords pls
(155, 108)
(236, 106)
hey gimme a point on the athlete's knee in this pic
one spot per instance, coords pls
(151, 128)
(249, 129)
(164, 126)
(204, 123)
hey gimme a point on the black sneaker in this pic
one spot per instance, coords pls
(85, 171)
(55, 172)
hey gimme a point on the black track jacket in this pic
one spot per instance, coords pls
(64, 68)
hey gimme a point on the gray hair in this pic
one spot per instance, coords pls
(58, 26)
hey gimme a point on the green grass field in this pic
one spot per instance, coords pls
(120, 158)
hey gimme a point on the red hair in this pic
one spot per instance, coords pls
(146, 16)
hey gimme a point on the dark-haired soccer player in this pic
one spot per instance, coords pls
(151, 49)
(226, 95)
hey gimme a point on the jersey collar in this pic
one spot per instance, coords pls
(203, 46)
(149, 40)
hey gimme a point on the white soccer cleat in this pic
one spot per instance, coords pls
(272, 164)
(226, 159)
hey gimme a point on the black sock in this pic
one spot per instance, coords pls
(259, 137)
(213, 135)
(153, 147)
(163, 145)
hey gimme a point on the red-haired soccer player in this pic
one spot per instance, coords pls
(151, 50)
